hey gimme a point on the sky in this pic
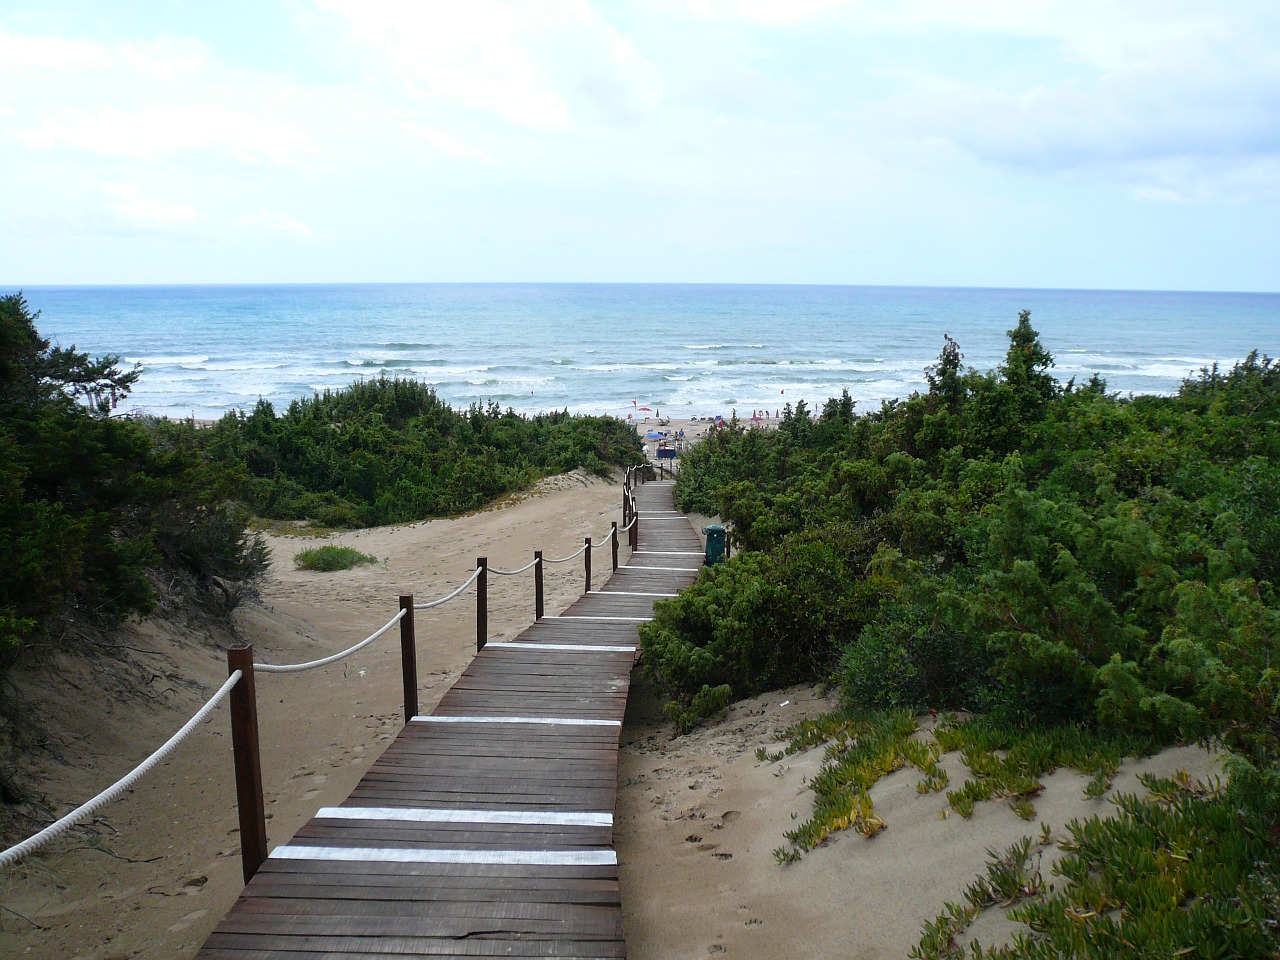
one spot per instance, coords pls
(1131, 144)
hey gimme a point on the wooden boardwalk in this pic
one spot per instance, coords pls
(486, 828)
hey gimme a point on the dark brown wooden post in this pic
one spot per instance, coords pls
(726, 544)
(613, 539)
(482, 603)
(408, 658)
(248, 762)
(537, 585)
(635, 530)
(586, 560)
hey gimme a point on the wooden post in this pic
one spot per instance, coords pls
(613, 539)
(726, 544)
(482, 603)
(408, 658)
(635, 530)
(248, 762)
(586, 557)
(537, 585)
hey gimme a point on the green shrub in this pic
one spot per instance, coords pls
(390, 451)
(329, 558)
(758, 622)
(96, 510)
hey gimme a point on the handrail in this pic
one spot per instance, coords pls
(86, 810)
(512, 573)
(445, 599)
(577, 553)
(333, 658)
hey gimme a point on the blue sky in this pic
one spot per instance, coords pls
(1081, 143)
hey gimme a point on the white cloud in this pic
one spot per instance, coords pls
(768, 12)
(1180, 100)
(151, 100)
(133, 207)
(155, 133)
(277, 222)
(444, 142)
(541, 64)
(19, 52)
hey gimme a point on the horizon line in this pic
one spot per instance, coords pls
(18, 288)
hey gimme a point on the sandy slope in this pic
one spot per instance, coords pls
(698, 816)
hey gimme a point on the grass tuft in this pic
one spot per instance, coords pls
(329, 558)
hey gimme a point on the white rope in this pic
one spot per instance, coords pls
(83, 812)
(299, 667)
(512, 573)
(465, 583)
(603, 541)
(571, 556)
(634, 518)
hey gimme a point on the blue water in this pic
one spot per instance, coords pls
(606, 348)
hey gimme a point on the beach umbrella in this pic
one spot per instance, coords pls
(649, 409)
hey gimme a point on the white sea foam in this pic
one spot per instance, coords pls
(169, 360)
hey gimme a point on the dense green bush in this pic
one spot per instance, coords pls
(95, 509)
(390, 451)
(1053, 553)
(759, 621)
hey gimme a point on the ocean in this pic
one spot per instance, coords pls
(682, 349)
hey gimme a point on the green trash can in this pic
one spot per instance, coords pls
(715, 544)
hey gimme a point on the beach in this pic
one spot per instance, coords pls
(698, 817)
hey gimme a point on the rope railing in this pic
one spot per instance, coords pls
(333, 658)
(445, 599)
(512, 573)
(121, 786)
(573, 556)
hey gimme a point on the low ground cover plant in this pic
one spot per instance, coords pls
(330, 558)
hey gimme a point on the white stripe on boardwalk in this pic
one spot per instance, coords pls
(566, 858)
(605, 619)
(624, 593)
(416, 815)
(553, 721)
(663, 569)
(588, 647)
